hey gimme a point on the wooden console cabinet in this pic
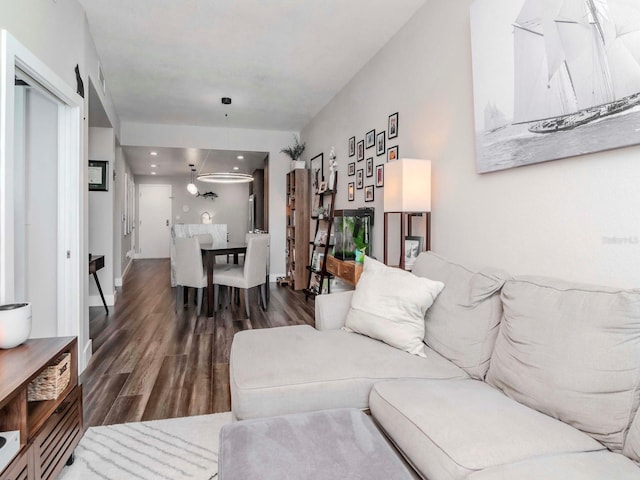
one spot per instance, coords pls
(49, 429)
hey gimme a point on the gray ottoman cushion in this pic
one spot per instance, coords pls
(320, 445)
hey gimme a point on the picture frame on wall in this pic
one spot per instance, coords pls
(368, 193)
(352, 169)
(351, 191)
(322, 187)
(317, 171)
(380, 176)
(352, 146)
(369, 167)
(392, 154)
(360, 179)
(392, 128)
(98, 176)
(380, 143)
(412, 248)
(361, 150)
(370, 139)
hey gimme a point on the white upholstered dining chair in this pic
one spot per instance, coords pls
(252, 274)
(189, 269)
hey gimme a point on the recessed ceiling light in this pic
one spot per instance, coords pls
(240, 157)
(154, 154)
(236, 168)
(153, 173)
(153, 165)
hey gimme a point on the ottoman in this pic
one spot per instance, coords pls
(330, 444)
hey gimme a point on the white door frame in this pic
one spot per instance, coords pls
(72, 259)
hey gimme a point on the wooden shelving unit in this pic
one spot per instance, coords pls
(321, 247)
(49, 429)
(297, 228)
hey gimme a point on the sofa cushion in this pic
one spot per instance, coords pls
(389, 305)
(602, 465)
(450, 428)
(299, 369)
(632, 443)
(462, 324)
(571, 351)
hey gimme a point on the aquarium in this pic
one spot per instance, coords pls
(352, 232)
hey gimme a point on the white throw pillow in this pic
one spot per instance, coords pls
(389, 304)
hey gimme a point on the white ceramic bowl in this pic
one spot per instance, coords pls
(15, 324)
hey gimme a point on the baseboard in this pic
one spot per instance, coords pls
(96, 301)
(136, 256)
(87, 352)
(118, 281)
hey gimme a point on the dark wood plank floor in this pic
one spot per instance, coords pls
(150, 362)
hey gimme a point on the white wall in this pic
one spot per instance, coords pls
(101, 214)
(123, 244)
(230, 208)
(550, 219)
(271, 141)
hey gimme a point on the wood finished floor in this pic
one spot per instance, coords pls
(150, 362)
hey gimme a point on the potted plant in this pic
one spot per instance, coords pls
(295, 152)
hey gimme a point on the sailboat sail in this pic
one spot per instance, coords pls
(575, 55)
(494, 119)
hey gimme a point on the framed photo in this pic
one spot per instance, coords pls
(359, 179)
(98, 175)
(392, 154)
(351, 191)
(322, 187)
(352, 146)
(368, 193)
(380, 143)
(393, 125)
(361, 150)
(380, 176)
(317, 171)
(412, 248)
(352, 169)
(369, 167)
(370, 139)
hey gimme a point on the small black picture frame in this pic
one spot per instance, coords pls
(392, 154)
(369, 193)
(352, 146)
(98, 176)
(352, 169)
(361, 150)
(369, 167)
(380, 143)
(393, 125)
(370, 139)
(360, 179)
(317, 171)
(351, 192)
(380, 176)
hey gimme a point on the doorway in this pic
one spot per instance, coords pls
(154, 221)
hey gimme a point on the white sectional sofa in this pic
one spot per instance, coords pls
(524, 378)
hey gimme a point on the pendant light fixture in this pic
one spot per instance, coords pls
(225, 177)
(191, 188)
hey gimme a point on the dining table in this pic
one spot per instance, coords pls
(210, 251)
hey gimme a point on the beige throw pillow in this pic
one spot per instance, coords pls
(389, 304)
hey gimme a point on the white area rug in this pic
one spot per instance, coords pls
(174, 449)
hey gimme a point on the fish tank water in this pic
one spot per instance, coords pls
(352, 232)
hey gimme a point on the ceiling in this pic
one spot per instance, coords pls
(175, 161)
(281, 61)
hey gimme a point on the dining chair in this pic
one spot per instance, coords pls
(252, 274)
(189, 269)
(246, 239)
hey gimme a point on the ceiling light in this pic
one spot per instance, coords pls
(153, 173)
(236, 168)
(153, 165)
(225, 177)
(191, 188)
(240, 157)
(154, 154)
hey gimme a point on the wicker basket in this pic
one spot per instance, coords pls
(52, 380)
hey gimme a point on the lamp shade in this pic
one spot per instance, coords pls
(407, 185)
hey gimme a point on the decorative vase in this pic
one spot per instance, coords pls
(296, 164)
(15, 324)
(332, 180)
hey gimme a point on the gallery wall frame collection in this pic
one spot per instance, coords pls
(556, 89)
(378, 141)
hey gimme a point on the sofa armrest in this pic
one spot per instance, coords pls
(332, 309)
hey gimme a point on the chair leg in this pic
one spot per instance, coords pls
(246, 301)
(263, 295)
(178, 289)
(199, 307)
(216, 297)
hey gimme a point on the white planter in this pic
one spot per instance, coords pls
(15, 324)
(295, 164)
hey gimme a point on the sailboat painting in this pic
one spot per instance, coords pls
(554, 79)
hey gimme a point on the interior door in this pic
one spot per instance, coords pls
(154, 221)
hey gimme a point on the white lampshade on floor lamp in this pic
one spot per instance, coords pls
(407, 191)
